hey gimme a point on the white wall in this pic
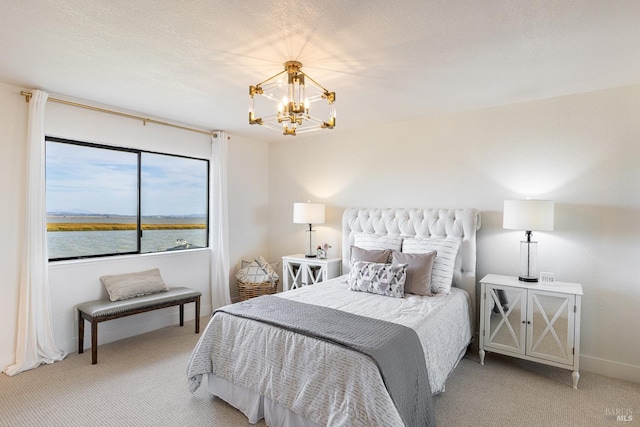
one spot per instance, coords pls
(73, 282)
(248, 203)
(581, 151)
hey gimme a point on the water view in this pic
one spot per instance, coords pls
(80, 236)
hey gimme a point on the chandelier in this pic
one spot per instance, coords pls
(292, 97)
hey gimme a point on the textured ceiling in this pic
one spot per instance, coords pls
(192, 61)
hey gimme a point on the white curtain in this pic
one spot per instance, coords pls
(35, 342)
(219, 225)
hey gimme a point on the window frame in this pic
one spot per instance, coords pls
(139, 231)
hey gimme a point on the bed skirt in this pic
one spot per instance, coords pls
(254, 406)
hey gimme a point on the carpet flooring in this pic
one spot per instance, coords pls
(141, 381)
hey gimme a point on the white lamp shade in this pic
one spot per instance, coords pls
(528, 215)
(308, 213)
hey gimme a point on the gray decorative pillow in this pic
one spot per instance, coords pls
(378, 278)
(419, 268)
(443, 265)
(130, 285)
(373, 255)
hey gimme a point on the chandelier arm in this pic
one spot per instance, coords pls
(316, 83)
(273, 77)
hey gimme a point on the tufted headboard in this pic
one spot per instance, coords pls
(410, 222)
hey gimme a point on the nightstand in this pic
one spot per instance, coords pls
(299, 270)
(531, 321)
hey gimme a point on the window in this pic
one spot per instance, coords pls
(110, 201)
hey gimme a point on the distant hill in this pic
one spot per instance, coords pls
(79, 213)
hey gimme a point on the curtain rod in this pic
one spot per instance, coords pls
(145, 120)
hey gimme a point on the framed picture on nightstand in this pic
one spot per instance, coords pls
(547, 278)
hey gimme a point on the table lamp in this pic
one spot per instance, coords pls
(528, 215)
(309, 213)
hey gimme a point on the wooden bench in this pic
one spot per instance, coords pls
(103, 310)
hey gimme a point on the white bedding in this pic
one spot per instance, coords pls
(324, 383)
(442, 322)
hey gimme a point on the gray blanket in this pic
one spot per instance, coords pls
(396, 349)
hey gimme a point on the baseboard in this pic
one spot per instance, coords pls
(608, 368)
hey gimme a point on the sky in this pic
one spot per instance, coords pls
(104, 181)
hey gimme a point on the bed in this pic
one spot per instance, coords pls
(293, 379)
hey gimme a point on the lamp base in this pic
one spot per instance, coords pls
(528, 264)
(310, 252)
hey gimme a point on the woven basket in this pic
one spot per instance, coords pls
(248, 290)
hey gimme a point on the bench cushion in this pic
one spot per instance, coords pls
(106, 307)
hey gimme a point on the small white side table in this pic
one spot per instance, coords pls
(299, 270)
(531, 321)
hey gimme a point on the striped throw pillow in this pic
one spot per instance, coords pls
(443, 265)
(376, 242)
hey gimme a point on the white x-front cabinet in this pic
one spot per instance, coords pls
(532, 321)
(299, 270)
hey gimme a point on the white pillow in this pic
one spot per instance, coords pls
(130, 285)
(376, 242)
(443, 265)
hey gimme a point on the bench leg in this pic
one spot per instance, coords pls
(94, 341)
(80, 334)
(181, 314)
(197, 315)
